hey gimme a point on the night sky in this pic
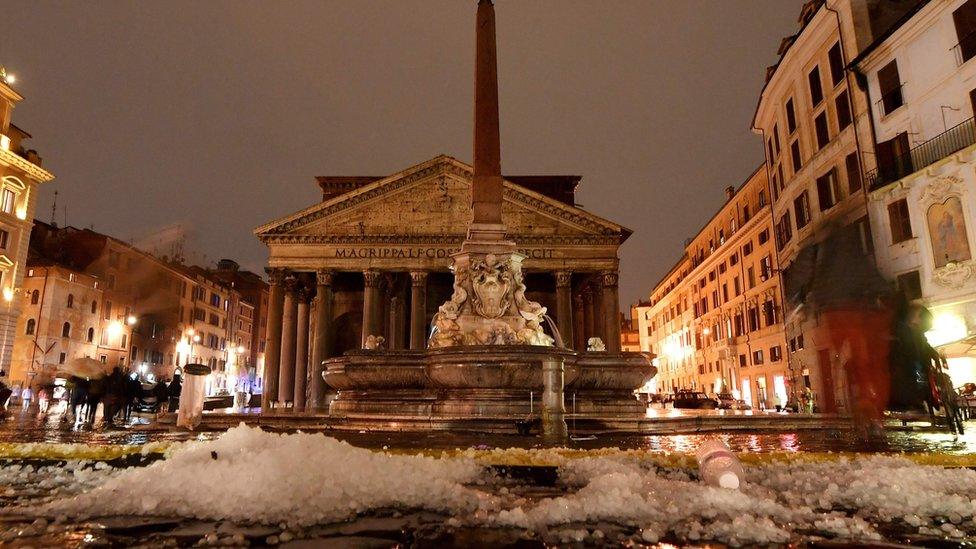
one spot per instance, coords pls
(218, 114)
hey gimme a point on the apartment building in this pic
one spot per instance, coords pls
(715, 321)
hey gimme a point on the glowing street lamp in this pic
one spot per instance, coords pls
(131, 320)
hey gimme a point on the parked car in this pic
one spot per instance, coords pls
(696, 400)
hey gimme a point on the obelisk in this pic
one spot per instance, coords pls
(486, 188)
(488, 306)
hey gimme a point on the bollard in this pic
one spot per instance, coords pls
(553, 408)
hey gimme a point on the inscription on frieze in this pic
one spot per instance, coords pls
(420, 252)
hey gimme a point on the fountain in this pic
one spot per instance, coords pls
(488, 349)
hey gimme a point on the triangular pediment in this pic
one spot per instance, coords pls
(433, 199)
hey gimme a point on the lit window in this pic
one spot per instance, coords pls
(7, 200)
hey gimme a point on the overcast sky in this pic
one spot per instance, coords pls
(218, 114)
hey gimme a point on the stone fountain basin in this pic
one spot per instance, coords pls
(613, 371)
(517, 367)
(364, 369)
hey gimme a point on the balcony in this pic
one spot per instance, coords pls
(965, 49)
(948, 142)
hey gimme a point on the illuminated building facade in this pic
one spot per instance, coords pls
(815, 124)
(715, 321)
(920, 78)
(20, 175)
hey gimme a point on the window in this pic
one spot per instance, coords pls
(823, 133)
(801, 207)
(764, 236)
(123, 340)
(836, 59)
(753, 315)
(35, 297)
(784, 231)
(90, 338)
(853, 173)
(7, 200)
(765, 268)
(762, 198)
(66, 329)
(742, 361)
(910, 285)
(769, 312)
(901, 225)
(31, 325)
(738, 286)
(94, 307)
(890, 83)
(775, 353)
(734, 259)
(757, 357)
(965, 21)
(71, 301)
(843, 111)
(61, 358)
(790, 117)
(215, 300)
(4, 239)
(816, 90)
(107, 310)
(827, 194)
(111, 281)
(795, 156)
(747, 249)
(751, 276)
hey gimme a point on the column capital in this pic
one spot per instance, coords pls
(276, 276)
(564, 279)
(371, 278)
(418, 278)
(303, 294)
(609, 278)
(323, 277)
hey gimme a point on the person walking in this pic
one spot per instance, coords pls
(175, 387)
(162, 396)
(96, 392)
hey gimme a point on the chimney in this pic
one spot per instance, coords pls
(729, 192)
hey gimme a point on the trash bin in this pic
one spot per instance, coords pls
(191, 395)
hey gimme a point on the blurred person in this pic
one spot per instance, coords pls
(853, 301)
(162, 395)
(175, 387)
(96, 392)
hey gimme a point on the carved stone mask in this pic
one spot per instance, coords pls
(492, 283)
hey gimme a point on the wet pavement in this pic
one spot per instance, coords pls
(401, 527)
(52, 427)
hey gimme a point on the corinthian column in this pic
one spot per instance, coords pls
(564, 306)
(418, 309)
(301, 350)
(320, 342)
(286, 374)
(272, 351)
(372, 322)
(611, 311)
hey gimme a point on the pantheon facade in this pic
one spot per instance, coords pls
(374, 256)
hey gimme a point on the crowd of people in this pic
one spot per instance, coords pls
(120, 395)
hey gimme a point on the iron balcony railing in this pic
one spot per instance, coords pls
(965, 49)
(950, 141)
(892, 100)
